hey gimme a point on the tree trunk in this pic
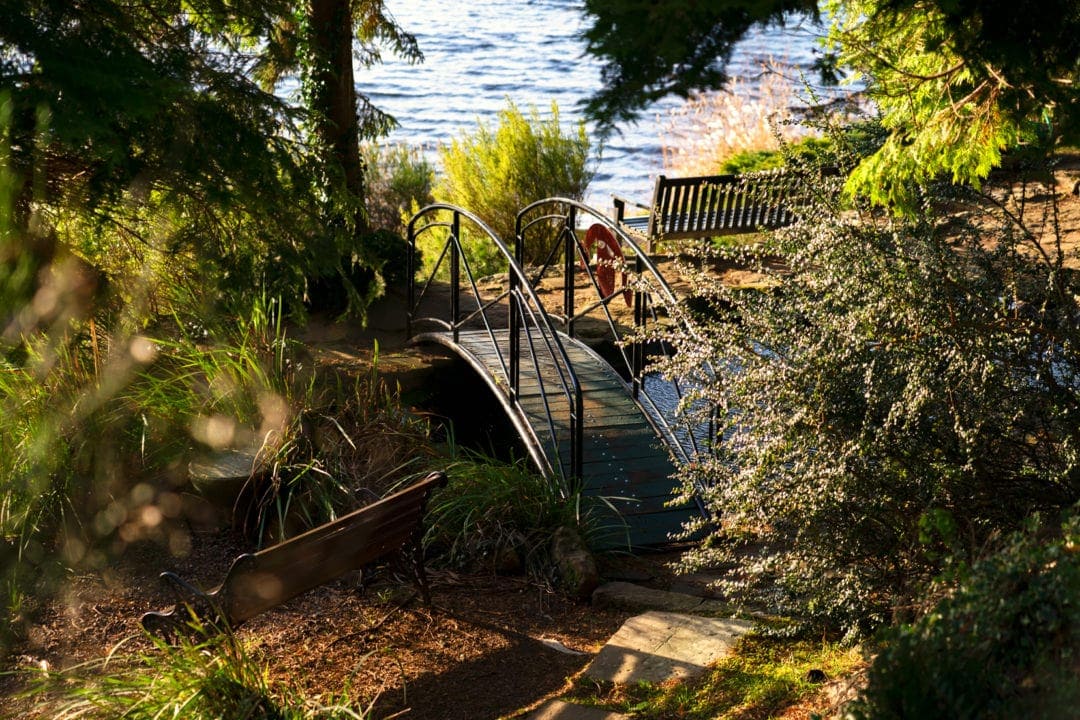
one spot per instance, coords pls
(334, 97)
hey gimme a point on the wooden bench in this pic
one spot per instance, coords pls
(711, 205)
(260, 581)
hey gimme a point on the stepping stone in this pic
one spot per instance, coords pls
(559, 710)
(658, 646)
(628, 596)
(224, 465)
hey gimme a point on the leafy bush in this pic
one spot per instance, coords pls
(495, 172)
(393, 253)
(1003, 645)
(901, 392)
(205, 680)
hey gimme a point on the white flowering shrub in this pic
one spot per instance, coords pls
(904, 390)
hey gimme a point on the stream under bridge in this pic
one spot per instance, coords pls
(552, 336)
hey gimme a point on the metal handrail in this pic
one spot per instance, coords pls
(526, 315)
(648, 283)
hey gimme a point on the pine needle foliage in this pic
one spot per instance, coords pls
(956, 86)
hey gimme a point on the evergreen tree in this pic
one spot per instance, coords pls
(106, 96)
(956, 81)
(319, 41)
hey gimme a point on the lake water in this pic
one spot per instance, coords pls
(478, 54)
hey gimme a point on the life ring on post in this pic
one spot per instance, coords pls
(608, 254)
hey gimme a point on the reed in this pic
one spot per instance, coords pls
(751, 114)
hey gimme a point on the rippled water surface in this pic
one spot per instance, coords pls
(478, 54)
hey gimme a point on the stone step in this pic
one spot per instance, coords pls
(628, 596)
(658, 646)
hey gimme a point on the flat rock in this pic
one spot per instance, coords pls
(628, 596)
(224, 465)
(559, 710)
(658, 646)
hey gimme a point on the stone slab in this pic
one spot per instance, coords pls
(224, 465)
(628, 596)
(658, 646)
(559, 710)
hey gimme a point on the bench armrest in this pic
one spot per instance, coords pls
(620, 204)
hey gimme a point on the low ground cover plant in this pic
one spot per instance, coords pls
(1003, 644)
(761, 678)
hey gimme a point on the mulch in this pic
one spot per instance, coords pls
(476, 652)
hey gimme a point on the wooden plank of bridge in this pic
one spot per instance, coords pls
(624, 460)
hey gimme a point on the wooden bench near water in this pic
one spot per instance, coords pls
(258, 582)
(710, 206)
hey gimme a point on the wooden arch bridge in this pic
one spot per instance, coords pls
(552, 337)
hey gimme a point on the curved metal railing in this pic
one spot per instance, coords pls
(659, 398)
(527, 322)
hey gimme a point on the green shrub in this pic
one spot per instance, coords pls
(1004, 644)
(809, 150)
(392, 252)
(904, 389)
(495, 172)
(199, 680)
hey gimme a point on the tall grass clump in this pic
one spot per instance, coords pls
(99, 423)
(349, 443)
(202, 679)
(96, 446)
(495, 515)
(496, 171)
(705, 134)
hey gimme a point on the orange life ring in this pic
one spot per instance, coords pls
(608, 252)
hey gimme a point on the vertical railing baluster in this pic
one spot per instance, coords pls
(568, 269)
(455, 276)
(577, 428)
(637, 350)
(515, 310)
(411, 279)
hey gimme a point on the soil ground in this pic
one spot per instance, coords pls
(475, 653)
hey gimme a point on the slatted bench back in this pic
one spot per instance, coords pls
(260, 581)
(704, 206)
(256, 583)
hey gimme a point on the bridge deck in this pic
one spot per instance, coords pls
(623, 457)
